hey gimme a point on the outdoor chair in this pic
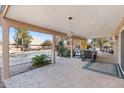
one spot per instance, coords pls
(87, 54)
(77, 52)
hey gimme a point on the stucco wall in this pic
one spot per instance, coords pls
(116, 45)
(117, 50)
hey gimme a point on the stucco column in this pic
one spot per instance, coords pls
(115, 48)
(71, 47)
(5, 50)
(53, 50)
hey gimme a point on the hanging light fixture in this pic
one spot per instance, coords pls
(70, 34)
(115, 39)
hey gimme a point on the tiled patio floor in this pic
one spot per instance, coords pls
(2, 85)
(106, 57)
(66, 73)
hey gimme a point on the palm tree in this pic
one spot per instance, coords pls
(22, 38)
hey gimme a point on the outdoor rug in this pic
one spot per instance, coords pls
(105, 68)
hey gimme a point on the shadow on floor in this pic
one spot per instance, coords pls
(105, 68)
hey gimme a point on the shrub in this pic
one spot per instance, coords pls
(66, 52)
(60, 48)
(39, 60)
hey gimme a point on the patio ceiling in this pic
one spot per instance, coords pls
(88, 21)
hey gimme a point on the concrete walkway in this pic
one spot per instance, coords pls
(66, 73)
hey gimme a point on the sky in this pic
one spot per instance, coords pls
(38, 37)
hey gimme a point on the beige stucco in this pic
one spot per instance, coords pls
(5, 53)
(117, 43)
(53, 49)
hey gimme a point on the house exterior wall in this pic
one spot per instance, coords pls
(117, 49)
(122, 50)
(116, 45)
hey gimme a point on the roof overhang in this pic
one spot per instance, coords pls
(88, 21)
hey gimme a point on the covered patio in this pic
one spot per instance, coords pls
(67, 73)
(88, 22)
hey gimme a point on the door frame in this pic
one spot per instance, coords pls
(119, 52)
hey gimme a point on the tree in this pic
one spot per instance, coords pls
(83, 45)
(99, 42)
(60, 48)
(47, 43)
(22, 38)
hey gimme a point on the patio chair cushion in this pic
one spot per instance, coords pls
(87, 54)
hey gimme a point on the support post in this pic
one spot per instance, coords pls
(115, 48)
(71, 47)
(53, 50)
(5, 50)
